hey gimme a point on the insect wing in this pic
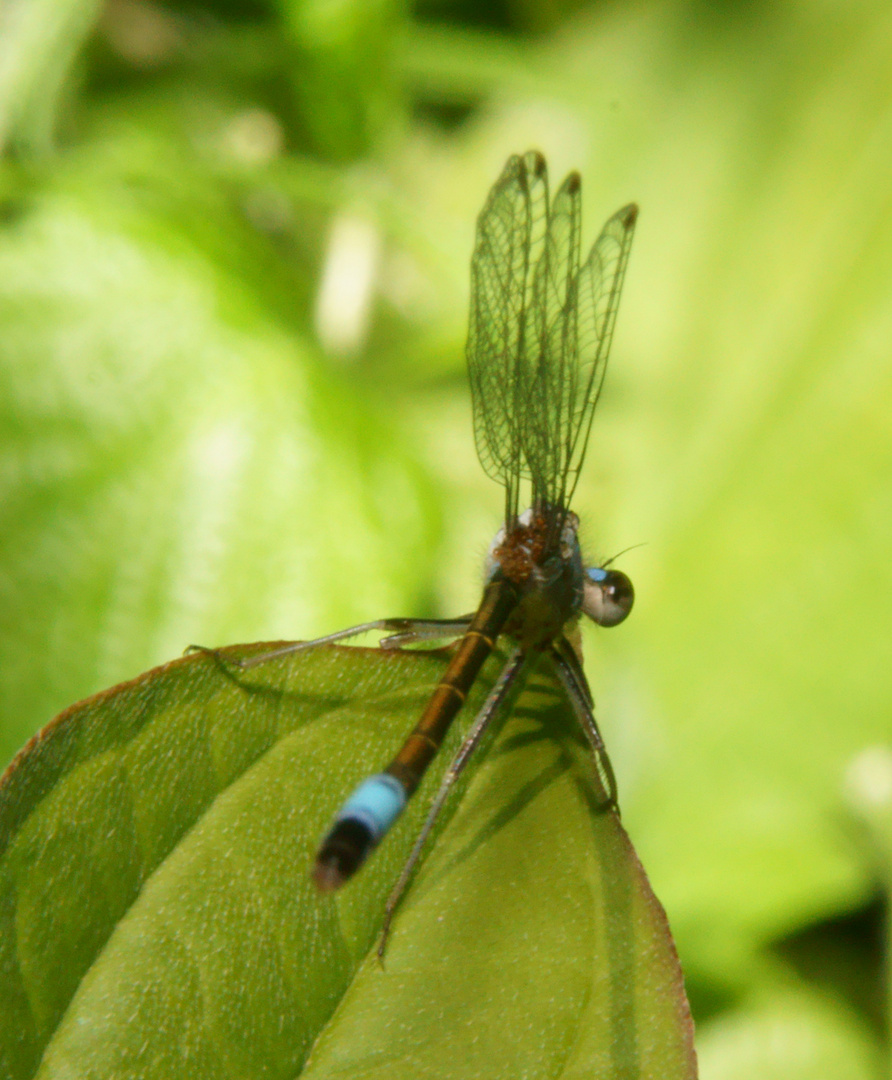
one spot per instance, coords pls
(552, 369)
(596, 292)
(511, 231)
(540, 328)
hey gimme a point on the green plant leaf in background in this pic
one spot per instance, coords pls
(141, 473)
(158, 917)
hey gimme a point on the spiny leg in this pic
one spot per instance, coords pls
(573, 680)
(400, 632)
(470, 742)
(414, 631)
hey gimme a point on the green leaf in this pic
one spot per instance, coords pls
(790, 1033)
(158, 918)
(175, 463)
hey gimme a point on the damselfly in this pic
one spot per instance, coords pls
(540, 329)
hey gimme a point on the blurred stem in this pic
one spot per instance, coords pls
(39, 40)
(463, 65)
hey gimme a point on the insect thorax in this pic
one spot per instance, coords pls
(548, 575)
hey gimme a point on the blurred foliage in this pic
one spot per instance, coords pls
(233, 274)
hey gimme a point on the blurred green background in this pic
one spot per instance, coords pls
(234, 246)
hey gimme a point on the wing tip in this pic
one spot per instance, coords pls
(534, 164)
(628, 215)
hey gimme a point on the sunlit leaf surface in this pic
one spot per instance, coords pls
(158, 918)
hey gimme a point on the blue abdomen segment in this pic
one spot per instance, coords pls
(359, 827)
(376, 804)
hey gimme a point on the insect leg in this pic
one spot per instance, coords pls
(481, 722)
(574, 682)
(400, 631)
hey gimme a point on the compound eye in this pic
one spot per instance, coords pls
(608, 596)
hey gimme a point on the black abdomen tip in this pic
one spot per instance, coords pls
(341, 854)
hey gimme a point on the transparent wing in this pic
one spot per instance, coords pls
(552, 363)
(540, 328)
(594, 305)
(511, 232)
